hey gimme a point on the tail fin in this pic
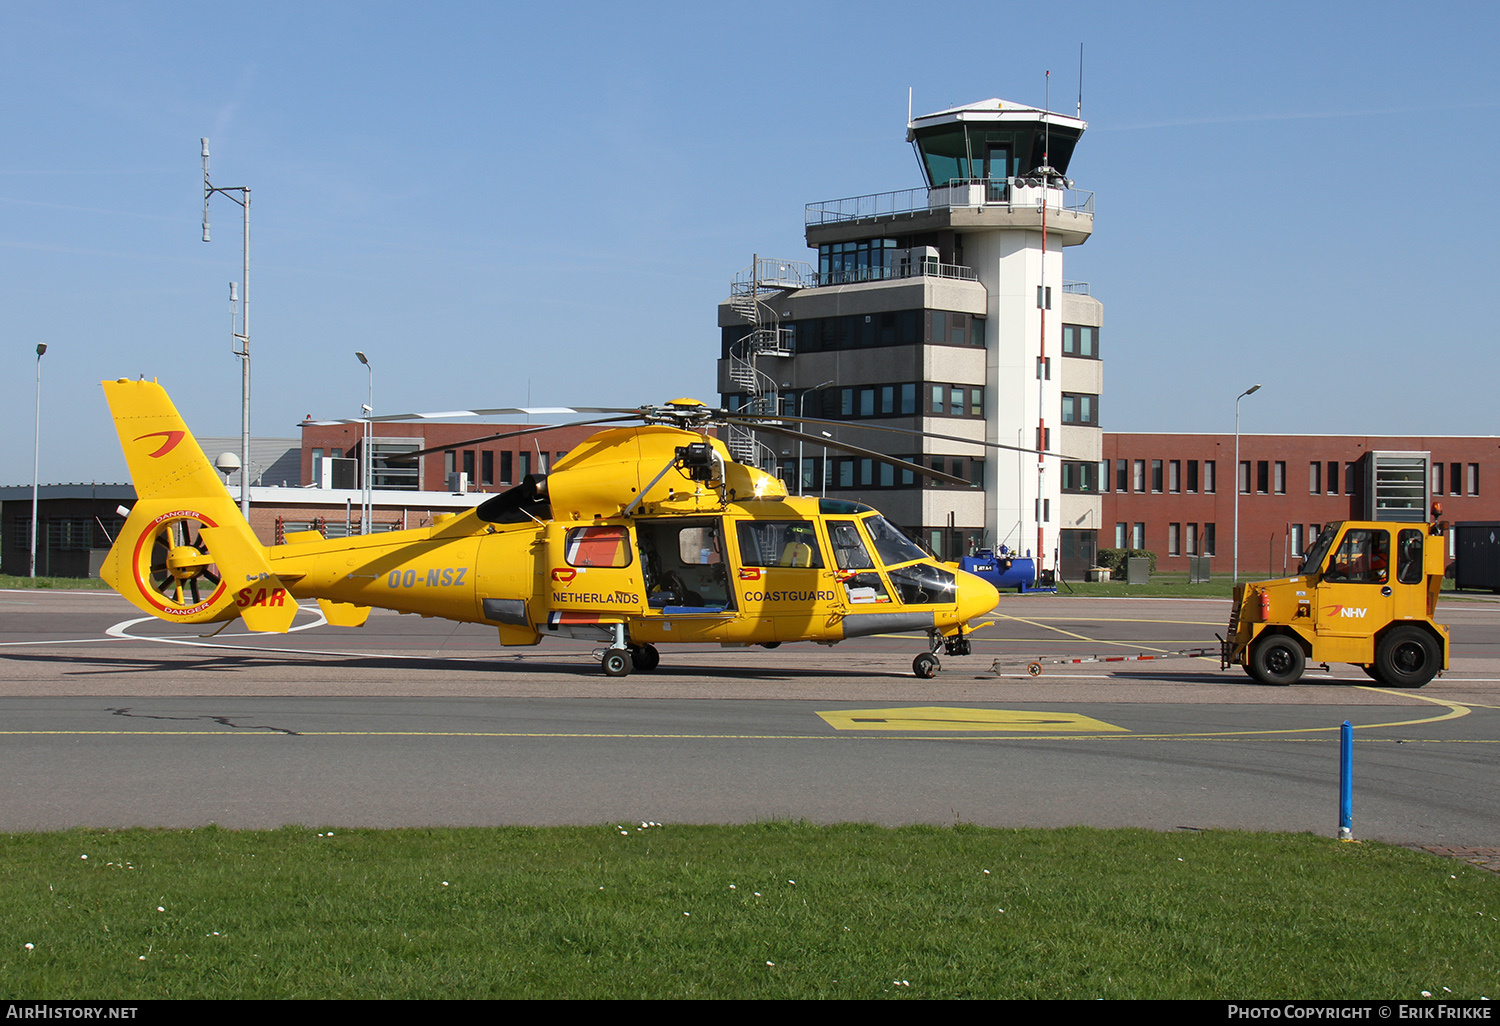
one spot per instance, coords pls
(185, 553)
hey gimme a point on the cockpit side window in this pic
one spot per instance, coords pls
(893, 546)
(849, 552)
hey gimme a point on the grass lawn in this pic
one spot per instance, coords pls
(775, 910)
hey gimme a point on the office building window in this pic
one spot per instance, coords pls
(1280, 477)
(1104, 475)
(1120, 532)
(1314, 478)
(1473, 479)
(1192, 539)
(1081, 340)
(1122, 479)
(1156, 475)
(1208, 476)
(1174, 539)
(505, 467)
(1080, 408)
(487, 467)
(1296, 539)
(1208, 540)
(1080, 477)
(1244, 477)
(1174, 476)
(1262, 476)
(1333, 477)
(1139, 476)
(1437, 479)
(1192, 476)
(1138, 536)
(1348, 479)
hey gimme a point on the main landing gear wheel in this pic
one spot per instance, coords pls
(645, 657)
(1277, 660)
(616, 662)
(926, 666)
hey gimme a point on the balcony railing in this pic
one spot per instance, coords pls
(1006, 194)
(912, 269)
(796, 274)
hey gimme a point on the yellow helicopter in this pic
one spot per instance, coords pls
(640, 536)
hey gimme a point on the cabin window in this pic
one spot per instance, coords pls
(779, 543)
(598, 546)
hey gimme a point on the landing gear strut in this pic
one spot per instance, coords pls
(927, 664)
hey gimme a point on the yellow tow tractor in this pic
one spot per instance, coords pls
(1366, 593)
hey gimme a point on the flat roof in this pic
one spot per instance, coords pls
(993, 109)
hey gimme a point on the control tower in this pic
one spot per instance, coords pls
(942, 308)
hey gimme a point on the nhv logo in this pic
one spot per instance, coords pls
(1348, 612)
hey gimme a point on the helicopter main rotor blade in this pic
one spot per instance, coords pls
(407, 457)
(507, 411)
(756, 424)
(855, 450)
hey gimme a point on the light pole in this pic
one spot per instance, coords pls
(1242, 395)
(825, 434)
(243, 335)
(36, 448)
(801, 400)
(367, 463)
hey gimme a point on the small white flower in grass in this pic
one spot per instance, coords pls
(445, 883)
(687, 913)
(142, 958)
(30, 946)
(83, 856)
(1427, 993)
(757, 894)
(792, 882)
(159, 908)
(731, 887)
(768, 963)
(986, 872)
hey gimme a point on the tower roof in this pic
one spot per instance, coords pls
(992, 110)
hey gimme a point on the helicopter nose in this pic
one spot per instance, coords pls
(976, 596)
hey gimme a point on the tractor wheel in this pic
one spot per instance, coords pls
(926, 665)
(616, 662)
(645, 658)
(1407, 657)
(1277, 660)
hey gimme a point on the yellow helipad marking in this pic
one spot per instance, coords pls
(991, 720)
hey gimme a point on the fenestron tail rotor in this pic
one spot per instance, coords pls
(174, 567)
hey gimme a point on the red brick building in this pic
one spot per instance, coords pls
(491, 466)
(1173, 494)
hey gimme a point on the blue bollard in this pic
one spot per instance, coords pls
(1346, 782)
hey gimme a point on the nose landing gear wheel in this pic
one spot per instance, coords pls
(616, 662)
(926, 666)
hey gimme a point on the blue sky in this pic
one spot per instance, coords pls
(510, 203)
